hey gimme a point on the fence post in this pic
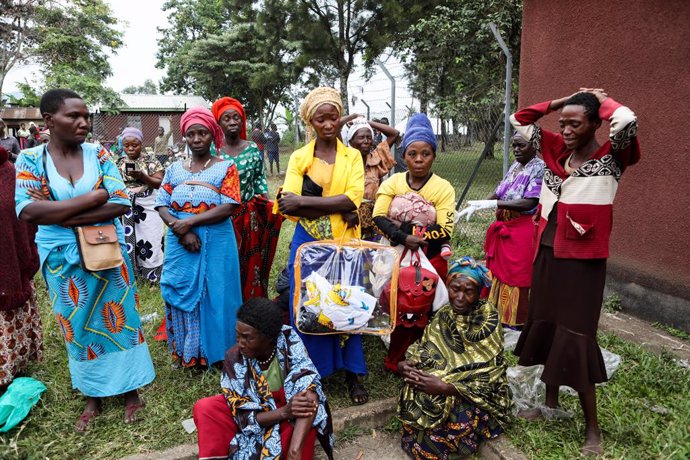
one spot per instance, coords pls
(368, 110)
(509, 79)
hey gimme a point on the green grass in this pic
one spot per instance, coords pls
(631, 429)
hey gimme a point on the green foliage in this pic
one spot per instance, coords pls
(453, 61)
(73, 45)
(30, 98)
(69, 40)
(612, 303)
(148, 87)
(678, 333)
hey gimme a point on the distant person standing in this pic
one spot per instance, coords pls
(260, 140)
(9, 142)
(273, 148)
(23, 135)
(160, 144)
(34, 137)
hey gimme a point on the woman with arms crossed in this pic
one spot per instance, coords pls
(67, 183)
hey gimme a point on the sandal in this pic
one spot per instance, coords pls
(84, 421)
(131, 411)
(358, 393)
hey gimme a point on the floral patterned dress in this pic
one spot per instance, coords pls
(143, 226)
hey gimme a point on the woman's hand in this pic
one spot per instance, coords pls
(37, 194)
(406, 369)
(302, 405)
(414, 242)
(137, 175)
(351, 219)
(190, 242)
(289, 202)
(429, 384)
(180, 227)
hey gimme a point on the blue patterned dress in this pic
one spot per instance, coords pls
(96, 311)
(202, 289)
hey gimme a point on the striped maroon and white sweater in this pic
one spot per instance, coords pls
(585, 197)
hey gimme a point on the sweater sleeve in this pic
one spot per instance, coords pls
(524, 122)
(622, 131)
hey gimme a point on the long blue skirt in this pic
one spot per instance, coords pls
(202, 294)
(325, 350)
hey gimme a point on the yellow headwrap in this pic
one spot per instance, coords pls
(315, 99)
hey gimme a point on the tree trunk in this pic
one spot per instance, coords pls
(343, 92)
(444, 135)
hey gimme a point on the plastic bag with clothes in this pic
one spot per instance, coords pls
(338, 287)
(528, 389)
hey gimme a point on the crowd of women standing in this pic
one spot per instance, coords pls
(206, 229)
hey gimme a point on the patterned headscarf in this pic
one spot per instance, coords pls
(471, 269)
(419, 129)
(315, 99)
(202, 116)
(133, 132)
(224, 104)
(357, 124)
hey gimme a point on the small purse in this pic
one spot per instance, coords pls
(98, 246)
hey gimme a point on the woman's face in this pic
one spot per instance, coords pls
(252, 343)
(522, 150)
(70, 123)
(463, 294)
(576, 128)
(199, 139)
(419, 157)
(362, 141)
(132, 147)
(325, 122)
(231, 123)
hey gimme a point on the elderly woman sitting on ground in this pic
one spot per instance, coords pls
(272, 404)
(456, 391)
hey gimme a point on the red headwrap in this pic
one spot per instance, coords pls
(224, 104)
(202, 116)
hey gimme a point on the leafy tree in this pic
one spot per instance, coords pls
(455, 64)
(230, 48)
(68, 39)
(16, 35)
(148, 87)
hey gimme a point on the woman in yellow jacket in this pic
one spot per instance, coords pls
(323, 188)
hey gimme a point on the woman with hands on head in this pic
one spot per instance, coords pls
(455, 391)
(323, 188)
(272, 404)
(509, 244)
(65, 183)
(575, 218)
(201, 274)
(378, 161)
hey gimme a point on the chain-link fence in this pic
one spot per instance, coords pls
(162, 136)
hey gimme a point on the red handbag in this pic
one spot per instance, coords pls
(416, 291)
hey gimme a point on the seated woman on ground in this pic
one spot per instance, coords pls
(272, 403)
(378, 161)
(416, 209)
(456, 392)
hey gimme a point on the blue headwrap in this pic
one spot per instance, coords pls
(133, 132)
(469, 268)
(419, 129)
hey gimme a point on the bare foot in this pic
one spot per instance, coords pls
(133, 404)
(592, 446)
(91, 411)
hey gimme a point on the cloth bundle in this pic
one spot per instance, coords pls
(412, 207)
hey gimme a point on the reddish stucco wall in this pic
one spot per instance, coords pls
(639, 51)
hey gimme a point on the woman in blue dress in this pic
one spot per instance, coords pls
(200, 283)
(68, 183)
